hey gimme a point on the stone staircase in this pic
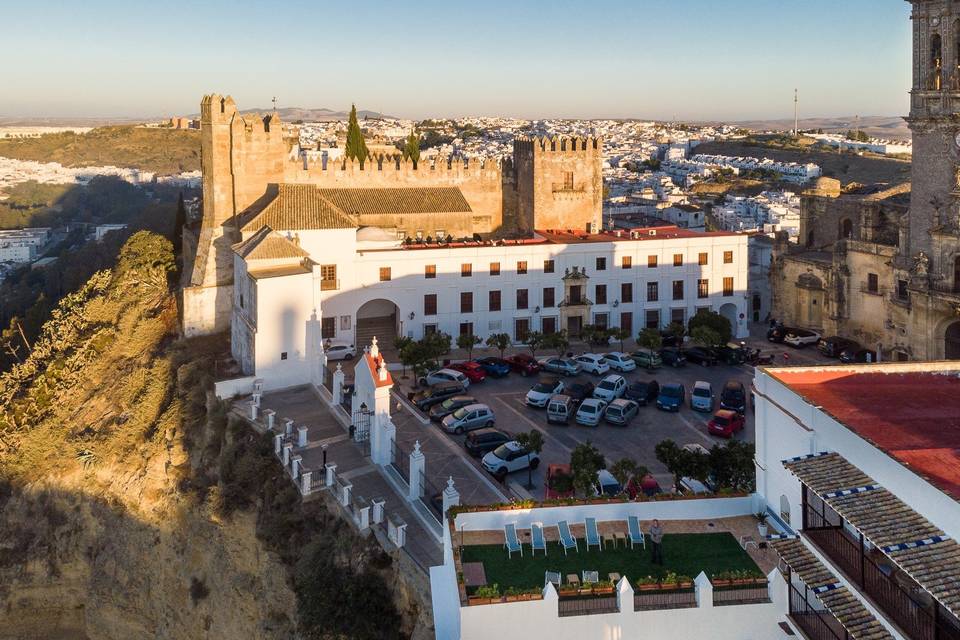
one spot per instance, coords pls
(384, 328)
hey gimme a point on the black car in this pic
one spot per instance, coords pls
(833, 346)
(482, 441)
(436, 394)
(734, 397)
(852, 356)
(579, 390)
(700, 355)
(672, 357)
(779, 332)
(439, 411)
(642, 391)
(668, 339)
(731, 355)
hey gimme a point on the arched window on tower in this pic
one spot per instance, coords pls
(810, 239)
(846, 229)
(936, 63)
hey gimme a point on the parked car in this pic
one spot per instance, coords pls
(734, 397)
(671, 397)
(340, 351)
(833, 346)
(672, 356)
(494, 367)
(560, 408)
(703, 356)
(647, 485)
(610, 388)
(621, 411)
(801, 337)
(592, 363)
(701, 396)
(507, 458)
(725, 423)
(579, 390)
(444, 375)
(851, 356)
(590, 411)
(436, 394)
(563, 366)
(729, 354)
(647, 358)
(468, 418)
(440, 411)
(524, 364)
(606, 484)
(642, 391)
(778, 332)
(540, 394)
(473, 371)
(558, 482)
(483, 441)
(668, 339)
(620, 361)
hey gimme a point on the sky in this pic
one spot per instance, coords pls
(660, 59)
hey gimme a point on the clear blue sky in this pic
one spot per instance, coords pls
(689, 59)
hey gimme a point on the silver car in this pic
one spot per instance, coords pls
(468, 418)
(621, 411)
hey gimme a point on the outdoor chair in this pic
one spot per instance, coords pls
(593, 536)
(511, 542)
(551, 577)
(591, 576)
(636, 533)
(537, 540)
(566, 538)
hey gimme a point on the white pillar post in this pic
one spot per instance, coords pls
(257, 397)
(287, 450)
(338, 377)
(417, 468)
(451, 497)
(305, 481)
(345, 494)
(295, 462)
(277, 444)
(331, 476)
(253, 408)
(624, 596)
(377, 513)
(301, 436)
(257, 385)
(704, 590)
(270, 416)
(287, 427)
(363, 516)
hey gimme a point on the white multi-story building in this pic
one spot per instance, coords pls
(23, 245)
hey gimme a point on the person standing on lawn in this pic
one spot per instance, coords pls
(656, 538)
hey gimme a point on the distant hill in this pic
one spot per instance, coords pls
(891, 127)
(289, 114)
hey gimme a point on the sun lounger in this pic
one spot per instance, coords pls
(566, 538)
(537, 540)
(551, 577)
(511, 542)
(593, 536)
(636, 533)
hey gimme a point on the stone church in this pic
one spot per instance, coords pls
(881, 264)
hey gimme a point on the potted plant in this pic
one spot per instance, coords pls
(567, 589)
(670, 581)
(604, 587)
(684, 582)
(722, 579)
(761, 517)
(512, 594)
(486, 595)
(648, 583)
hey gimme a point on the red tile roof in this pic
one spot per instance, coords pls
(913, 416)
(373, 364)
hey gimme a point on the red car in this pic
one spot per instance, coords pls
(472, 370)
(725, 423)
(523, 364)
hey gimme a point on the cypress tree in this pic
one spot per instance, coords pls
(412, 149)
(356, 145)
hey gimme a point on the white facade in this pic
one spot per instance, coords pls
(23, 245)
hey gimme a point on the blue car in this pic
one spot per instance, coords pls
(671, 397)
(494, 367)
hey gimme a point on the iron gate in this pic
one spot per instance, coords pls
(360, 426)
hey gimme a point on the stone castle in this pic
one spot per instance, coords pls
(549, 183)
(881, 264)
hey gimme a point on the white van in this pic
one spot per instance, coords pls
(559, 409)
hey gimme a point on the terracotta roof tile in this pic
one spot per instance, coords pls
(300, 206)
(267, 244)
(387, 201)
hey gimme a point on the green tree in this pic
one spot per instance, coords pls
(732, 466)
(411, 149)
(468, 341)
(625, 469)
(706, 337)
(673, 458)
(531, 441)
(677, 331)
(356, 148)
(402, 345)
(499, 341)
(585, 461)
(649, 338)
(620, 335)
(557, 341)
(719, 325)
(534, 342)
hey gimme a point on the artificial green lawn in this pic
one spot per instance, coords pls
(683, 553)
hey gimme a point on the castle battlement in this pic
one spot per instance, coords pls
(558, 144)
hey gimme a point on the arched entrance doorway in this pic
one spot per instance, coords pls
(846, 229)
(377, 318)
(729, 311)
(951, 342)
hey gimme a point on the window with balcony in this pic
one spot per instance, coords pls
(430, 304)
(653, 291)
(466, 302)
(728, 287)
(703, 288)
(523, 299)
(600, 294)
(430, 271)
(678, 289)
(521, 329)
(626, 322)
(328, 327)
(493, 299)
(328, 277)
(626, 292)
(548, 298)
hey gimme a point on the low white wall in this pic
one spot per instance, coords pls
(227, 389)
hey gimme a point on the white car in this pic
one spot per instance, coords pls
(590, 412)
(507, 458)
(541, 392)
(341, 351)
(801, 338)
(444, 375)
(592, 363)
(620, 361)
(610, 388)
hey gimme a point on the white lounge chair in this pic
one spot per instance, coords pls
(537, 539)
(566, 538)
(593, 536)
(511, 542)
(551, 576)
(591, 576)
(636, 533)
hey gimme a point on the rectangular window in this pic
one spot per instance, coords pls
(626, 292)
(568, 180)
(548, 266)
(466, 302)
(902, 289)
(602, 320)
(384, 274)
(678, 289)
(678, 315)
(728, 257)
(873, 283)
(653, 291)
(523, 299)
(651, 262)
(466, 328)
(548, 325)
(576, 294)
(430, 304)
(328, 327)
(493, 298)
(521, 267)
(494, 268)
(548, 299)
(430, 271)
(626, 262)
(466, 270)
(601, 264)
(626, 322)
(328, 277)
(678, 259)
(429, 329)
(346, 323)
(600, 294)
(728, 286)
(652, 319)
(521, 329)
(702, 259)
(283, 355)
(703, 288)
